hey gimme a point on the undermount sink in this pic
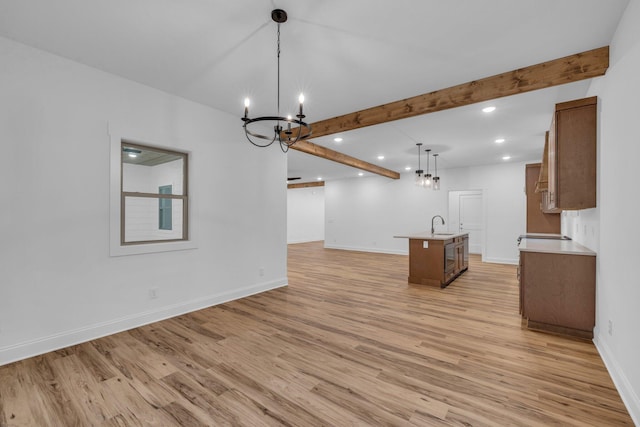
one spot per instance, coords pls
(443, 234)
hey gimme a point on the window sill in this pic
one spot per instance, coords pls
(120, 250)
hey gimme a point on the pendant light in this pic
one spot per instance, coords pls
(436, 178)
(427, 177)
(419, 172)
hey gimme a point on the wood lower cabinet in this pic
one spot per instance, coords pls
(440, 262)
(557, 292)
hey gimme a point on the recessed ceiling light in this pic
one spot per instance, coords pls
(131, 152)
(360, 173)
(380, 157)
(408, 168)
(488, 109)
(319, 178)
(506, 157)
(499, 140)
(337, 139)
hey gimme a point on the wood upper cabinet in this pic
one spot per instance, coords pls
(572, 157)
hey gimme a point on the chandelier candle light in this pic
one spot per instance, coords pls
(286, 137)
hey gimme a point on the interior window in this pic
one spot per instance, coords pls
(154, 196)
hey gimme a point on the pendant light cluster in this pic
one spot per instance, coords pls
(426, 180)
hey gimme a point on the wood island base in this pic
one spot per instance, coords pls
(437, 260)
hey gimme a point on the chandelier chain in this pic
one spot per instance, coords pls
(278, 69)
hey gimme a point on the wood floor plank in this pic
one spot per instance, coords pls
(141, 380)
(201, 397)
(282, 408)
(348, 342)
(85, 401)
(15, 405)
(49, 398)
(121, 398)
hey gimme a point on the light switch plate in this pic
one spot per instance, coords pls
(425, 244)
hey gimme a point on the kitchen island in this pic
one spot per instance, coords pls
(437, 259)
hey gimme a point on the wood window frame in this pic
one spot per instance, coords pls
(184, 197)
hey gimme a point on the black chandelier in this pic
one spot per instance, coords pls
(284, 135)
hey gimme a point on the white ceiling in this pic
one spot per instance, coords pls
(344, 55)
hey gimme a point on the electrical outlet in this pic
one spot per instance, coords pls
(261, 271)
(153, 293)
(611, 327)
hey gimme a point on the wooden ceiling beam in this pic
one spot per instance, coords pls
(329, 154)
(585, 65)
(573, 68)
(306, 184)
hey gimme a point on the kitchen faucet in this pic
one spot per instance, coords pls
(432, 219)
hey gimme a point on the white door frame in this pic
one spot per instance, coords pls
(456, 204)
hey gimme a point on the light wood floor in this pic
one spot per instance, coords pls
(348, 342)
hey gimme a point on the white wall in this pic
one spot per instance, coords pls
(618, 287)
(583, 227)
(305, 214)
(365, 213)
(58, 284)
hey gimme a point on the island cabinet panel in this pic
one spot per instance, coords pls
(437, 262)
(557, 292)
(426, 265)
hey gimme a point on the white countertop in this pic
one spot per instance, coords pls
(568, 247)
(426, 235)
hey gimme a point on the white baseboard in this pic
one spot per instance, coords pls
(366, 249)
(43, 345)
(510, 261)
(627, 393)
(294, 242)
